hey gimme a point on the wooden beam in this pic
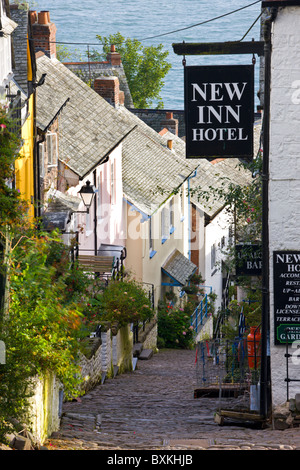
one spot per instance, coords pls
(219, 48)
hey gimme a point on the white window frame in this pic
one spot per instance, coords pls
(42, 159)
(52, 159)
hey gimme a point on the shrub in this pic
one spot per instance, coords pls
(121, 302)
(174, 328)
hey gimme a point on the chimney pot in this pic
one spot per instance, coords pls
(43, 17)
(170, 144)
(169, 115)
(44, 34)
(33, 17)
(112, 48)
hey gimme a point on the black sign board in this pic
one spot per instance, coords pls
(219, 110)
(248, 260)
(286, 267)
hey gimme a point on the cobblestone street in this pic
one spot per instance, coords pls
(154, 408)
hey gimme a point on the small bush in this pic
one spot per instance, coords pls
(174, 328)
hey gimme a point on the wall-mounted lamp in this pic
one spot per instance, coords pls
(87, 194)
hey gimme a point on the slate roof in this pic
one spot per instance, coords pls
(151, 171)
(20, 17)
(90, 128)
(179, 267)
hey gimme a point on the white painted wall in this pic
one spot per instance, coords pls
(284, 187)
(109, 199)
(216, 234)
(5, 53)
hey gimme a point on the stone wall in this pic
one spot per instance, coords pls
(108, 356)
(284, 186)
(155, 118)
(45, 407)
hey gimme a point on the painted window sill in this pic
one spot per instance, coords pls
(172, 230)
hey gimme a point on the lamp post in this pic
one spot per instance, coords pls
(87, 194)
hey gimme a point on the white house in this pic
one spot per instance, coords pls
(284, 200)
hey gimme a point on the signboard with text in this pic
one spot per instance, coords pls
(286, 268)
(219, 110)
(248, 260)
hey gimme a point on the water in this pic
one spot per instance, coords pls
(80, 22)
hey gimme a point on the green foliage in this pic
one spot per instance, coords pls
(121, 302)
(11, 205)
(174, 327)
(43, 326)
(145, 67)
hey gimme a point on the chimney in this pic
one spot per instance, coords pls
(44, 33)
(170, 144)
(170, 123)
(114, 57)
(109, 89)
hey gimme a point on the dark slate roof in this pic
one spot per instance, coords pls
(92, 70)
(20, 47)
(90, 128)
(178, 267)
(151, 172)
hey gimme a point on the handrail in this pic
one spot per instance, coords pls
(199, 313)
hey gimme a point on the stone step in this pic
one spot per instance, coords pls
(137, 349)
(146, 354)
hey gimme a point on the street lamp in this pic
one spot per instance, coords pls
(87, 194)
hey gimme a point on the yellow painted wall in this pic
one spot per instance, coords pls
(24, 165)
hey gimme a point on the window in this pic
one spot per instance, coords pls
(151, 239)
(182, 195)
(42, 160)
(213, 256)
(164, 224)
(171, 214)
(52, 149)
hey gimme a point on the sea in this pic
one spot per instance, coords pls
(155, 22)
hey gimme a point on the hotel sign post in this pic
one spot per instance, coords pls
(286, 296)
(219, 110)
(232, 143)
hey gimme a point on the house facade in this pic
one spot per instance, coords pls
(24, 84)
(90, 151)
(284, 204)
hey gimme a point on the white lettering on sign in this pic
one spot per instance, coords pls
(212, 91)
(219, 133)
(223, 114)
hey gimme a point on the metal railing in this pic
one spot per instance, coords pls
(200, 314)
(288, 356)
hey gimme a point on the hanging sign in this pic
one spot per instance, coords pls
(286, 267)
(219, 110)
(248, 260)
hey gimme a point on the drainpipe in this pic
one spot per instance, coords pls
(189, 212)
(95, 215)
(265, 325)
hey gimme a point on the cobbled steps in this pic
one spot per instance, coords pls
(154, 408)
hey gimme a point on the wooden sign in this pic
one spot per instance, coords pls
(219, 110)
(248, 260)
(286, 268)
